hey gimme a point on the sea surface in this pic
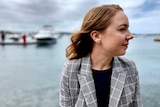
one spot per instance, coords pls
(29, 75)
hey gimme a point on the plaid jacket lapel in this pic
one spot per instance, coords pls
(87, 83)
(117, 83)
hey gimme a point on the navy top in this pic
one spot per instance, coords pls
(102, 79)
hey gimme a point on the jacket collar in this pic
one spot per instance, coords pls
(117, 82)
(88, 87)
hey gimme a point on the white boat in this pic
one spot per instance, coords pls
(17, 39)
(14, 37)
(19, 42)
(46, 35)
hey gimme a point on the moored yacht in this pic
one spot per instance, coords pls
(46, 35)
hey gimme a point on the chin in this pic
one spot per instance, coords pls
(121, 54)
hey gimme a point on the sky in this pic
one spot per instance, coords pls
(67, 15)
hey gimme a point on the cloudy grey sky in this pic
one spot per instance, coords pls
(67, 15)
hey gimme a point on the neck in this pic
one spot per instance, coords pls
(100, 62)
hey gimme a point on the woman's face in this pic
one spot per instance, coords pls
(115, 38)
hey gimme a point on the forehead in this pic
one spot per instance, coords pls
(119, 19)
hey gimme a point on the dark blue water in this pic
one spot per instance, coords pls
(29, 75)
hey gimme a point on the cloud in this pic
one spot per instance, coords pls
(144, 18)
(31, 15)
(143, 15)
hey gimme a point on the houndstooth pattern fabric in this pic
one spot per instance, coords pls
(77, 88)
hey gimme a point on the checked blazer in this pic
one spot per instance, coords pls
(77, 88)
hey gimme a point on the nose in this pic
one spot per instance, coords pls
(129, 36)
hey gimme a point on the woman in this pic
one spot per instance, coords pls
(95, 75)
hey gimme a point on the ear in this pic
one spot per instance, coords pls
(95, 36)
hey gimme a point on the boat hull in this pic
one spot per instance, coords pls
(46, 40)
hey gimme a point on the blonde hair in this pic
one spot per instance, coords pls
(98, 18)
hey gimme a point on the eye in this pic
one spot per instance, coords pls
(122, 29)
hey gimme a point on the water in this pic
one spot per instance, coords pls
(29, 76)
(146, 54)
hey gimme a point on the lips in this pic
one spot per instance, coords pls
(125, 45)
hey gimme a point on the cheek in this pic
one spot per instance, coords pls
(113, 40)
(110, 45)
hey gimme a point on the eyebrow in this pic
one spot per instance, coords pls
(126, 25)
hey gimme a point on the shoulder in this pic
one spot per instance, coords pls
(126, 64)
(71, 67)
(124, 61)
(72, 64)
